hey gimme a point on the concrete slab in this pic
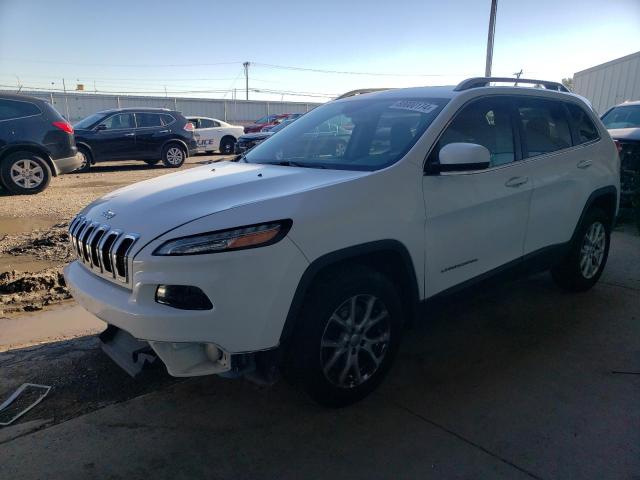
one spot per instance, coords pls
(515, 382)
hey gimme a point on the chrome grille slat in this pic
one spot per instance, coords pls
(102, 249)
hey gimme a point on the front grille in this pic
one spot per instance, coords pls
(101, 248)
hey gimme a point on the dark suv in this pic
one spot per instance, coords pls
(148, 134)
(36, 143)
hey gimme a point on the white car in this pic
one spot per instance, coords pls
(298, 257)
(214, 135)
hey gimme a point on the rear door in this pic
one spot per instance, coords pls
(476, 220)
(560, 171)
(117, 138)
(151, 134)
(208, 135)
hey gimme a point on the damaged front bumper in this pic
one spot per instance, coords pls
(181, 359)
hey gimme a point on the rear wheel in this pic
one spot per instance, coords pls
(585, 261)
(227, 146)
(347, 336)
(86, 160)
(173, 155)
(25, 173)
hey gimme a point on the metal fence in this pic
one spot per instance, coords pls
(75, 105)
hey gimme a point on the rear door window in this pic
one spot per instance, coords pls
(544, 125)
(207, 123)
(167, 119)
(12, 109)
(584, 128)
(146, 120)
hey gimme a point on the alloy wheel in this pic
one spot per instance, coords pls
(174, 156)
(592, 250)
(27, 174)
(355, 341)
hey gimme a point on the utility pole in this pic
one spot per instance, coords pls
(517, 74)
(492, 31)
(64, 86)
(246, 79)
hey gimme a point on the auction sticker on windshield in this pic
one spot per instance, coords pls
(415, 105)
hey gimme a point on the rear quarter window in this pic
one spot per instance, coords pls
(585, 129)
(12, 109)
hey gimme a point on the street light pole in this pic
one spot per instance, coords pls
(492, 31)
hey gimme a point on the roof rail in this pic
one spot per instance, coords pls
(485, 81)
(360, 91)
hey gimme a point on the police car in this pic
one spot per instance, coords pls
(214, 135)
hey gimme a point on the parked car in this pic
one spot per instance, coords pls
(623, 123)
(313, 262)
(267, 121)
(148, 134)
(36, 143)
(213, 135)
(249, 140)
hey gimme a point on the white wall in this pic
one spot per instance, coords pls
(611, 83)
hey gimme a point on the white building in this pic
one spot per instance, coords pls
(610, 83)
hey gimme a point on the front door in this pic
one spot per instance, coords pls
(476, 221)
(115, 139)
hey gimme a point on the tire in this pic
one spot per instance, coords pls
(328, 372)
(582, 266)
(86, 160)
(151, 163)
(173, 155)
(227, 146)
(25, 173)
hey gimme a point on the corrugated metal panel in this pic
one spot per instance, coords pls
(76, 106)
(611, 83)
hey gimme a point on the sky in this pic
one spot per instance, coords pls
(196, 48)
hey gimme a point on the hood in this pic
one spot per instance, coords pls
(153, 207)
(625, 133)
(255, 136)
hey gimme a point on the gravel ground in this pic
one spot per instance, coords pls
(33, 239)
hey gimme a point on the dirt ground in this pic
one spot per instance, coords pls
(33, 239)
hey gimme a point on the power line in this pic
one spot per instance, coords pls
(144, 65)
(344, 72)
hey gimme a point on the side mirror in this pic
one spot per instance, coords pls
(463, 157)
(102, 126)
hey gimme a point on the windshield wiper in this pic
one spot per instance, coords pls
(289, 163)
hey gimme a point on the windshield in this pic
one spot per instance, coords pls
(90, 120)
(362, 134)
(280, 126)
(622, 117)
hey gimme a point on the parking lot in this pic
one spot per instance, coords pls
(518, 382)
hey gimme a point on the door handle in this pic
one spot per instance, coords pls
(515, 182)
(129, 134)
(584, 163)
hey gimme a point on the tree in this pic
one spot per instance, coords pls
(568, 82)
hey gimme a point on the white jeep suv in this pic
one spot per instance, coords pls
(298, 256)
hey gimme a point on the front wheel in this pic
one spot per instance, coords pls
(173, 155)
(24, 173)
(587, 257)
(347, 336)
(227, 146)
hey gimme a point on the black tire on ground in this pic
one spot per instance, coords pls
(582, 266)
(151, 163)
(333, 353)
(24, 173)
(173, 155)
(227, 146)
(86, 161)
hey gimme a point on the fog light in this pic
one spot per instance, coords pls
(184, 297)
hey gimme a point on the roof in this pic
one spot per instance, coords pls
(609, 63)
(136, 109)
(628, 104)
(15, 96)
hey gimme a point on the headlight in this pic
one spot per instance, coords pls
(250, 236)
